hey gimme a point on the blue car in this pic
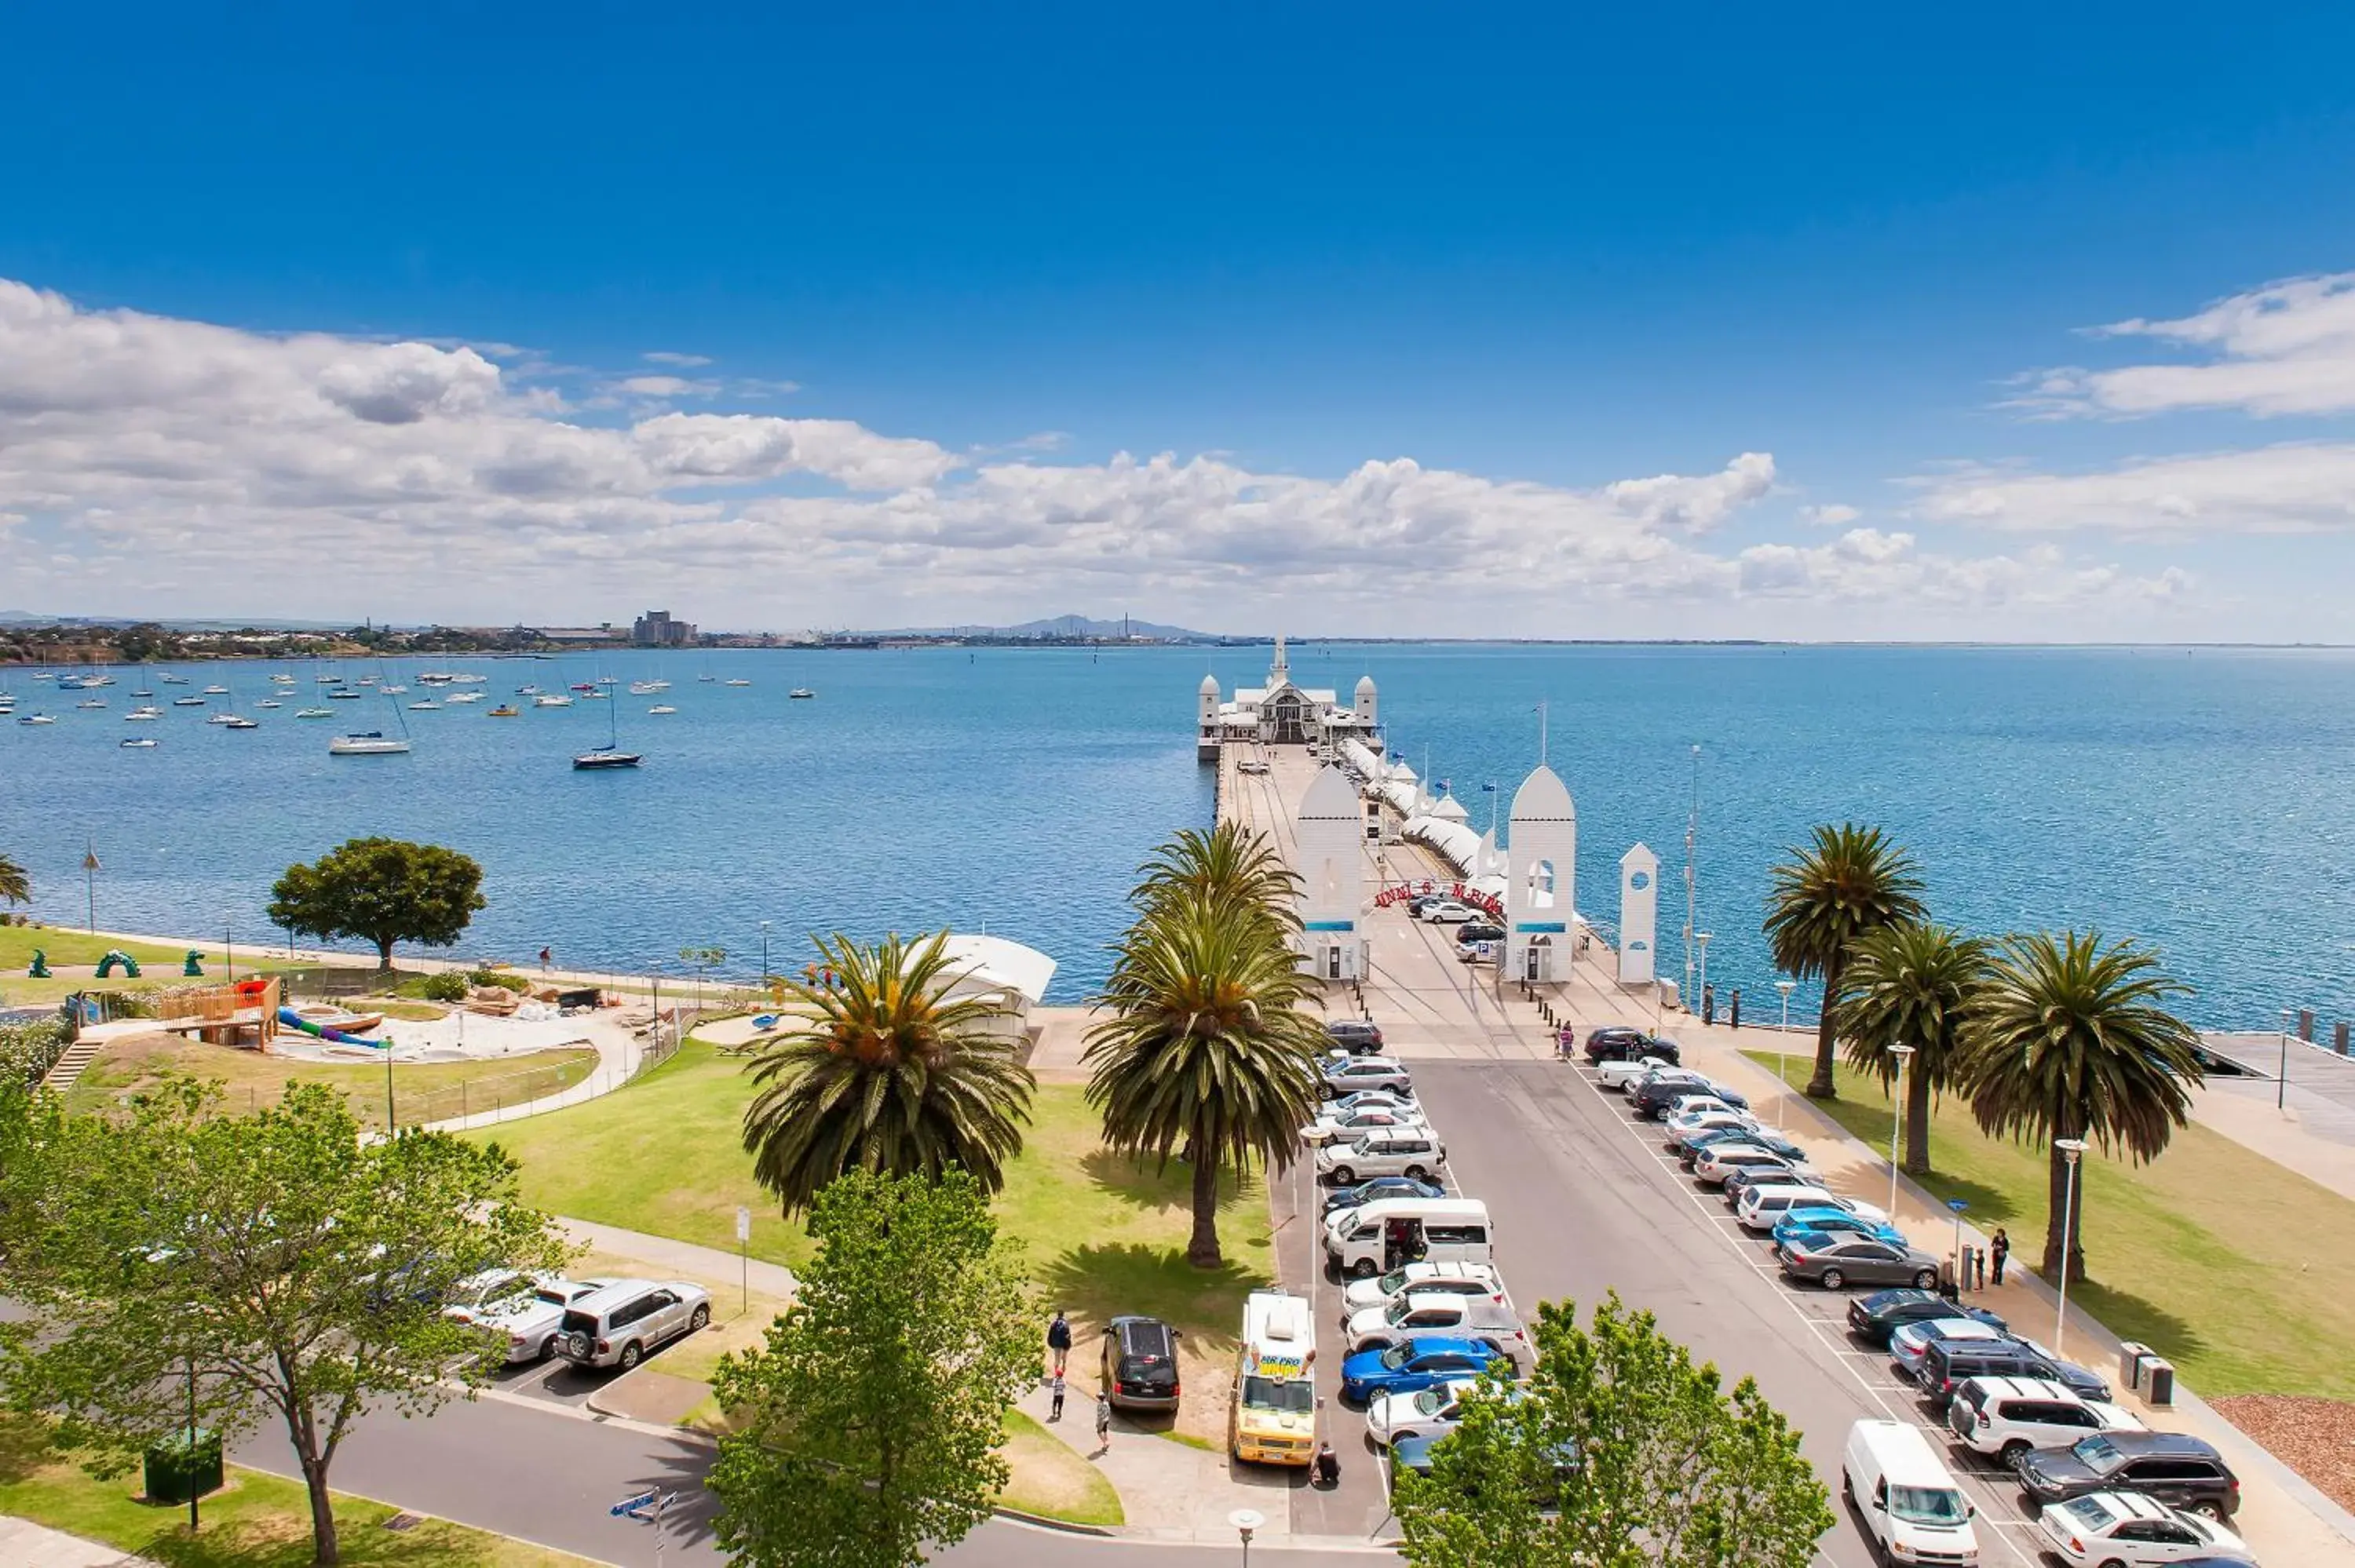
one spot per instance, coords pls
(1413, 1453)
(1365, 1192)
(1417, 1365)
(1797, 1224)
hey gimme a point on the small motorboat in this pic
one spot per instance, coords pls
(527, 691)
(270, 703)
(605, 757)
(35, 718)
(594, 696)
(662, 708)
(735, 680)
(368, 743)
(648, 688)
(315, 713)
(341, 695)
(394, 690)
(142, 693)
(216, 691)
(187, 702)
(455, 697)
(92, 702)
(231, 721)
(582, 686)
(800, 693)
(505, 710)
(425, 705)
(143, 716)
(551, 700)
(137, 742)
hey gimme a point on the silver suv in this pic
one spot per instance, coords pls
(618, 1325)
(2007, 1416)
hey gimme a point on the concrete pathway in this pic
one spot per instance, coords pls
(661, 1254)
(1169, 1491)
(24, 1544)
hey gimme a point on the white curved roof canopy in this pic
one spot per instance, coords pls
(1457, 845)
(998, 963)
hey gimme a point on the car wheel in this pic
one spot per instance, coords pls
(1417, 1173)
(1344, 1176)
(631, 1355)
(1364, 1268)
(2012, 1453)
(2114, 1562)
(548, 1347)
(2209, 1508)
(698, 1318)
(1832, 1280)
(1926, 1279)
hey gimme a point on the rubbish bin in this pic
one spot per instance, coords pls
(177, 1470)
(2130, 1357)
(2159, 1383)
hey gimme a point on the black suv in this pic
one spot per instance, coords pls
(1473, 931)
(1360, 1038)
(2176, 1469)
(1874, 1317)
(1140, 1364)
(1950, 1363)
(1617, 1044)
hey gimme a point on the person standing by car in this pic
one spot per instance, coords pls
(1059, 1341)
(2000, 1249)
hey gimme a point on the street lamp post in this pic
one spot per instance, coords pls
(2074, 1150)
(1782, 1053)
(2281, 1079)
(1246, 1520)
(1896, 1121)
(764, 954)
(1701, 937)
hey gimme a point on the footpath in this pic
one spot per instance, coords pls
(24, 1544)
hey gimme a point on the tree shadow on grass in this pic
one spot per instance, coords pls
(1146, 1184)
(2130, 1317)
(1988, 1205)
(1101, 1282)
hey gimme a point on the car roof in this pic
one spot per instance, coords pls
(613, 1295)
(2026, 1388)
(1452, 1344)
(2166, 1443)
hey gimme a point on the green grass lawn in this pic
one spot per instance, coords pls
(1049, 1478)
(2235, 1269)
(159, 963)
(256, 1520)
(664, 1156)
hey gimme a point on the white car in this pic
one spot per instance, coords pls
(2129, 1528)
(1761, 1207)
(1426, 1413)
(1440, 1314)
(1719, 1160)
(1349, 1125)
(1910, 1345)
(1366, 1072)
(1685, 1125)
(1392, 1151)
(529, 1311)
(1360, 1294)
(1622, 1075)
(617, 1326)
(1362, 1099)
(1251, 765)
(1447, 911)
(2004, 1417)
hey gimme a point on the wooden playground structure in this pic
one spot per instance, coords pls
(244, 1014)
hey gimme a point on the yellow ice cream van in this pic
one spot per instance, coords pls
(1273, 1420)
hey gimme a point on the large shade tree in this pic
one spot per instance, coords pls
(2070, 1039)
(878, 1068)
(1205, 1051)
(1910, 985)
(1849, 880)
(381, 891)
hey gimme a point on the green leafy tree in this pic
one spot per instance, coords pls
(1910, 985)
(2071, 1039)
(1850, 880)
(267, 1267)
(866, 1428)
(381, 891)
(15, 887)
(1617, 1453)
(878, 1068)
(1204, 1051)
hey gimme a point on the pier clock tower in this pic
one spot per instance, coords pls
(1639, 904)
(1332, 878)
(1540, 881)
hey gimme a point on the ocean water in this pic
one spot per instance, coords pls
(2199, 800)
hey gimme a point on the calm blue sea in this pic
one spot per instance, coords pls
(2199, 800)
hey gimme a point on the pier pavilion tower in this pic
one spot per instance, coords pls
(1207, 729)
(1332, 878)
(1639, 905)
(1540, 880)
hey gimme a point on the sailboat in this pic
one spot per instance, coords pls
(611, 754)
(372, 742)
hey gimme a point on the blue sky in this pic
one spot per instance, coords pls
(1536, 249)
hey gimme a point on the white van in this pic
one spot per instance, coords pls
(1395, 1232)
(1912, 1506)
(1272, 1414)
(1759, 1207)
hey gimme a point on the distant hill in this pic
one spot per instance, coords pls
(25, 618)
(1068, 626)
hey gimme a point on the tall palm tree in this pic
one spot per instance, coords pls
(1205, 1051)
(15, 887)
(2070, 1039)
(1230, 865)
(877, 1069)
(1910, 985)
(1852, 880)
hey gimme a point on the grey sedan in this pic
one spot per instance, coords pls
(1841, 1261)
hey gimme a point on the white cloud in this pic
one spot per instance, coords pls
(667, 386)
(1696, 505)
(1868, 565)
(2290, 489)
(675, 361)
(1832, 515)
(2286, 348)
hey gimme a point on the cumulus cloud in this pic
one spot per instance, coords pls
(675, 361)
(667, 386)
(2301, 488)
(1695, 505)
(2286, 348)
(1868, 565)
(1832, 515)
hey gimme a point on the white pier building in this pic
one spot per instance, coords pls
(1282, 714)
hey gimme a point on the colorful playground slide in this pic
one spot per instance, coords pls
(293, 1020)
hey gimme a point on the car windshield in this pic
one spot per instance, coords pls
(1431, 1399)
(1398, 1355)
(2090, 1511)
(1393, 1282)
(2099, 1454)
(1292, 1396)
(552, 1297)
(1928, 1505)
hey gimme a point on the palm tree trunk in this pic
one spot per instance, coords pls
(1821, 1086)
(2061, 1214)
(1202, 1250)
(1917, 1124)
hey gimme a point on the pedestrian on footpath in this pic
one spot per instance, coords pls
(1733, 1013)
(1709, 1005)
(1059, 1341)
(1104, 1422)
(1055, 1406)
(2000, 1249)
(547, 960)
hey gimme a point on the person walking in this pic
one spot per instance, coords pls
(2000, 1249)
(1709, 1005)
(547, 960)
(1055, 1396)
(1104, 1422)
(1059, 1341)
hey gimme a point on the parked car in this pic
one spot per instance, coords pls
(1341, 1077)
(1431, 1412)
(617, 1326)
(1657, 1097)
(1251, 765)
(1723, 1159)
(1765, 1138)
(2174, 1468)
(1738, 1182)
(1704, 1120)
(528, 1309)
(1448, 912)
(1874, 1317)
(1712, 1095)
(1463, 1278)
(1422, 901)
(1389, 1152)
(1438, 1314)
(2005, 1417)
(1825, 1221)
(1417, 1365)
(1414, 1453)
(1857, 1260)
(1950, 1363)
(1347, 1127)
(1359, 1099)
(2127, 1530)
(1616, 1043)
(1473, 931)
(1911, 1507)
(1910, 1344)
(1140, 1365)
(1759, 1207)
(1355, 1036)
(1621, 1072)
(1380, 1187)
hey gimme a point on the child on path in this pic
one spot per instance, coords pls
(1055, 1388)
(1104, 1422)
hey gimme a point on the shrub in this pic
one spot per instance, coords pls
(501, 979)
(28, 1051)
(448, 985)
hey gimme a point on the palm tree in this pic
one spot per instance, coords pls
(1205, 1051)
(1851, 881)
(1231, 865)
(1910, 985)
(879, 1070)
(2071, 1040)
(15, 887)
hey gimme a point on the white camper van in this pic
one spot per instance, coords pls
(1394, 1231)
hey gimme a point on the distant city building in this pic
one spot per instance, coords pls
(655, 629)
(1281, 713)
(577, 633)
